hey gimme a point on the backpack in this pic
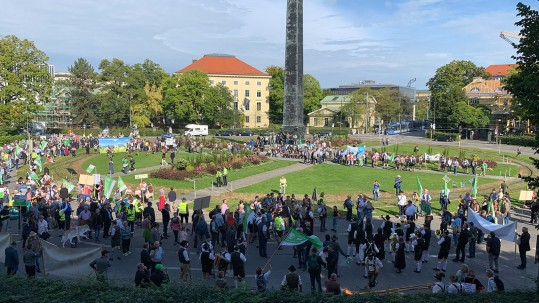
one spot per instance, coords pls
(313, 263)
(260, 283)
(499, 283)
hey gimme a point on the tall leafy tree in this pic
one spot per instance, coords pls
(276, 93)
(220, 113)
(446, 91)
(82, 85)
(184, 96)
(312, 95)
(24, 79)
(523, 82)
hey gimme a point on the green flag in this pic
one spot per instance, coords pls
(392, 157)
(68, 185)
(109, 186)
(419, 187)
(43, 145)
(246, 215)
(33, 176)
(446, 190)
(18, 149)
(295, 237)
(39, 162)
(490, 206)
(90, 168)
(474, 186)
(121, 185)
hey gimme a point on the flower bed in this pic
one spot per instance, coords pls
(208, 168)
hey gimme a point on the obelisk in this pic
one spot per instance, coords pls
(293, 78)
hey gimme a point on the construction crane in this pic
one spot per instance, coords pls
(410, 82)
(505, 36)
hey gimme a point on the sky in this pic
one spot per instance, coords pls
(345, 41)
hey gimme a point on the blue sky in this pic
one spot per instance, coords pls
(389, 41)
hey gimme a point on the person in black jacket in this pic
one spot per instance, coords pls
(148, 210)
(166, 219)
(314, 266)
(145, 256)
(159, 276)
(142, 277)
(523, 242)
(107, 219)
(463, 239)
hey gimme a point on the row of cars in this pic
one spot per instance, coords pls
(244, 133)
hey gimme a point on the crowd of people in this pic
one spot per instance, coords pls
(222, 236)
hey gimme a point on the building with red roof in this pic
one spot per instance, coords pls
(499, 71)
(249, 86)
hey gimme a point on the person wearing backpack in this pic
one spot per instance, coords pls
(262, 278)
(494, 283)
(314, 266)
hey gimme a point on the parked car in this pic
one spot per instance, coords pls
(444, 138)
(168, 136)
(325, 133)
(225, 133)
(245, 133)
(267, 133)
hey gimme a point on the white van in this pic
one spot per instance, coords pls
(196, 130)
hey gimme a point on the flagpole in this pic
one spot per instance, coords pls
(276, 249)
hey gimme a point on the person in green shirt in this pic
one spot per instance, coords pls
(125, 165)
(484, 167)
(218, 176)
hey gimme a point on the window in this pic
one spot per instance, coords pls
(246, 119)
(315, 121)
(258, 83)
(258, 93)
(475, 89)
(258, 119)
(223, 82)
(259, 106)
(474, 101)
(326, 121)
(246, 93)
(211, 82)
(235, 93)
(247, 83)
(235, 105)
(499, 90)
(235, 82)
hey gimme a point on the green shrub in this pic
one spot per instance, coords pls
(519, 140)
(182, 164)
(437, 134)
(11, 139)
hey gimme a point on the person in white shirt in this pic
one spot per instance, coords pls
(455, 286)
(491, 284)
(373, 266)
(410, 211)
(42, 226)
(401, 202)
(439, 286)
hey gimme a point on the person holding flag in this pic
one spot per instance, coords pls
(426, 203)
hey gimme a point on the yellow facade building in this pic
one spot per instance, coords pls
(248, 85)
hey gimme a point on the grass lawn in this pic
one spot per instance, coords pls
(339, 181)
(204, 182)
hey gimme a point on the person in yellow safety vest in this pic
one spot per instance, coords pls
(225, 175)
(282, 185)
(138, 211)
(61, 219)
(218, 176)
(279, 227)
(183, 211)
(131, 215)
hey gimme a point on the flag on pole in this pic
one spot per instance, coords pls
(246, 215)
(39, 162)
(18, 149)
(90, 168)
(33, 176)
(392, 157)
(315, 195)
(419, 187)
(474, 186)
(43, 145)
(109, 186)
(68, 185)
(446, 190)
(121, 185)
(295, 237)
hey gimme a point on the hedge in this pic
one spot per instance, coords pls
(454, 136)
(20, 289)
(11, 139)
(519, 140)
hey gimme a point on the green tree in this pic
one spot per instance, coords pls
(388, 104)
(184, 96)
(276, 93)
(446, 90)
(421, 109)
(355, 108)
(82, 85)
(523, 82)
(312, 95)
(24, 79)
(147, 107)
(218, 111)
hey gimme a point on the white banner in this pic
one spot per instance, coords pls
(504, 232)
(429, 158)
